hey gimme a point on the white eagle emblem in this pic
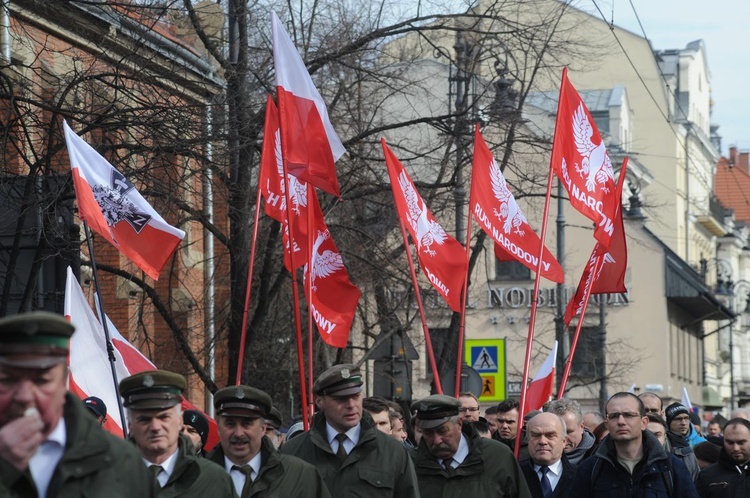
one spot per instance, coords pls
(510, 213)
(297, 189)
(595, 166)
(428, 232)
(326, 263)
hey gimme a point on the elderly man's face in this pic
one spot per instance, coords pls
(156, 432)
(574, 430)
(546, 438)
(241, 437)
(24, 388)
(442, 441)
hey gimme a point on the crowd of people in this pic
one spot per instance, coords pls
(52, 444)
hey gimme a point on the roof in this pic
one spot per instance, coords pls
(732, 188)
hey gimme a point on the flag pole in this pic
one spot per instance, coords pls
(295, 295)
(569, 360)
(103, 319)
(248, 290)
(465, 297)
(310, 325)
(423, 318)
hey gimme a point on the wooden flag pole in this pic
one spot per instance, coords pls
(422, 316)
(103, 320)
(295, 299)
(246, 311)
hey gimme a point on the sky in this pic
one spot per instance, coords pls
(722, 25)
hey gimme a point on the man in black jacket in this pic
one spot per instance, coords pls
(547, 471)
(630, 462)
(730, 476)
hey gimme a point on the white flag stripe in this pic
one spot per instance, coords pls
(292, 75)
(96, 170)
(549, 364)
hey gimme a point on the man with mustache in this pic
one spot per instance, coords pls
(50, 445)
(354, 457)
(256, 467)
(453, 460)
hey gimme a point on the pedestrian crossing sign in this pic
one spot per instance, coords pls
(487, 356)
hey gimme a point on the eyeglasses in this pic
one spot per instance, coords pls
(464, 409)
(626, 415)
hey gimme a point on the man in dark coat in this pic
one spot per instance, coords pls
(155, 418)
(453, 460)
(730, 476)
(354, 458)
(257, 469)
(547, 471)
(631, 462)
(50, 445)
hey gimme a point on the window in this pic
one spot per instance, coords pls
(511, 270)
(587, 362)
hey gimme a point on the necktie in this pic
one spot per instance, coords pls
(544, 481)
(448, 467)
(154, 471)
(341, 452)
(247, 471)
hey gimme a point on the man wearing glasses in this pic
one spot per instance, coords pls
(469, 410)
(630, 462)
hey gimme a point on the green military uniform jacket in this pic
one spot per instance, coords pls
(94, 464)
(280, 475)
(489, 470)
(196, 477)
(378, 465)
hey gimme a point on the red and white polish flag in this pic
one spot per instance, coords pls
(442, 257)
(273, 188)
(334, 298)
(493, 206)
(540, 389)
(90, 371)
(114, 209)
(311, 146)
(580, 160)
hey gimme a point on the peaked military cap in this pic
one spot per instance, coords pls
(435, 410)
(242, 401)
(339, 380)
(273, 418)
(152, 390)
(39, 339)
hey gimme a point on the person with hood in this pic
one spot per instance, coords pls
(678, 422)
(674, 444)
(730, 476)
(580, 443)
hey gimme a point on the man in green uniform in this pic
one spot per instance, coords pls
(257, 469)
(155, 417)
(453, 460)
(50, 445)
(354, 458)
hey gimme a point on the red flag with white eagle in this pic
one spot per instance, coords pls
(442, 257)
(493, 206)
(540, 389)
(311, 145)
(273, 189)
(580, 160)
(334, 298)
(88, 362)
(605, 270)
(114, 209)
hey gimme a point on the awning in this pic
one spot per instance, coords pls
(703, 306)
(711, 398)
